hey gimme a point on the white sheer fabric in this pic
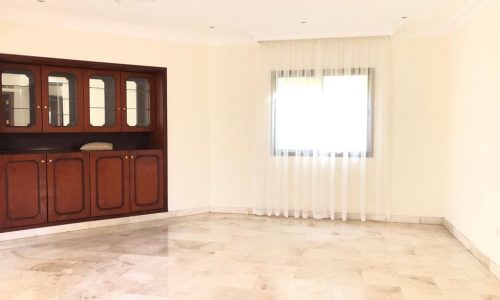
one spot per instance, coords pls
(322, 128)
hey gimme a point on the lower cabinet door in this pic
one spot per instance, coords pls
(109, 183)
(23, 195)
(68, 186)
(146, 180)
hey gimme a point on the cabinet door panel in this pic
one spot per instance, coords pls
(68, 186)
(146, 180)
(102, 101)
(138, 106)
(23, 190)
(109, 183)
(62, 99)
(20, 105)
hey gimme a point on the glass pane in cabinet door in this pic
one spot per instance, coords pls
(62, 100)
(138, 102)
(18, 98)
(102, 101)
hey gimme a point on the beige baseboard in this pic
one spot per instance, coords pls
(469, 245)
(26, 233)
(338, 216)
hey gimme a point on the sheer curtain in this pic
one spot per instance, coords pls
(322, 129)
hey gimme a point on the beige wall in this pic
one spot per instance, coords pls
(188, 107)
(233, 90)
(473, 202)
(419, 124)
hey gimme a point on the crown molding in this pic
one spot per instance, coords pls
(463, 15)
(317, 35)
(459, 18)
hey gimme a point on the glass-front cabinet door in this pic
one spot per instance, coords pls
(20, 104)
(138, 102)
(62, 99)
(102, 101)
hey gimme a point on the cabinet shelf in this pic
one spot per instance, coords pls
(11, 86)
(100, 88)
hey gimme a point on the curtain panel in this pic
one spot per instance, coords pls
(322, 129)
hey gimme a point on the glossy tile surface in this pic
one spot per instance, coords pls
(222, 256)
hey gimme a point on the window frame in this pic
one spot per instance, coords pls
(275, 75)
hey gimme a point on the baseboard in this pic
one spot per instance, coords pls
(338, 216)
(26, 233)
(481, 257)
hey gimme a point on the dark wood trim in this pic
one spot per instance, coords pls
(70, 63)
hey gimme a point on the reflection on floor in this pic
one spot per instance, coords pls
(216, 256)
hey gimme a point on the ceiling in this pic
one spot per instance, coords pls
(241, 20)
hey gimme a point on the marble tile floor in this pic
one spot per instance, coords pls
(224, 256)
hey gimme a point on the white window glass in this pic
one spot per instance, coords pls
(328, 114)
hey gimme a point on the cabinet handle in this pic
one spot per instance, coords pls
(43, 161)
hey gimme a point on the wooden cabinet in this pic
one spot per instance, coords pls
(103, 101)
(40, 188)
(23, 194)
(109, 182)
(68, 186)
(146, 180)
(138, 101)
(49, 108)
(62, 99)
(20, 103)
(123, 181)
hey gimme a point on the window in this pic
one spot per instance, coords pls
(328, 114)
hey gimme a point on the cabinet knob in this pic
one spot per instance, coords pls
(124, 109)
(119, 108)
(126, 156)
(38, 106)
(45, 107)
(43, 161)
(50, 161)
(131, 157)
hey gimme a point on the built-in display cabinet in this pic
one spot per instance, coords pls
(49, 108)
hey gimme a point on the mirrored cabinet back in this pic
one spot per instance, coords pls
(49, 108)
